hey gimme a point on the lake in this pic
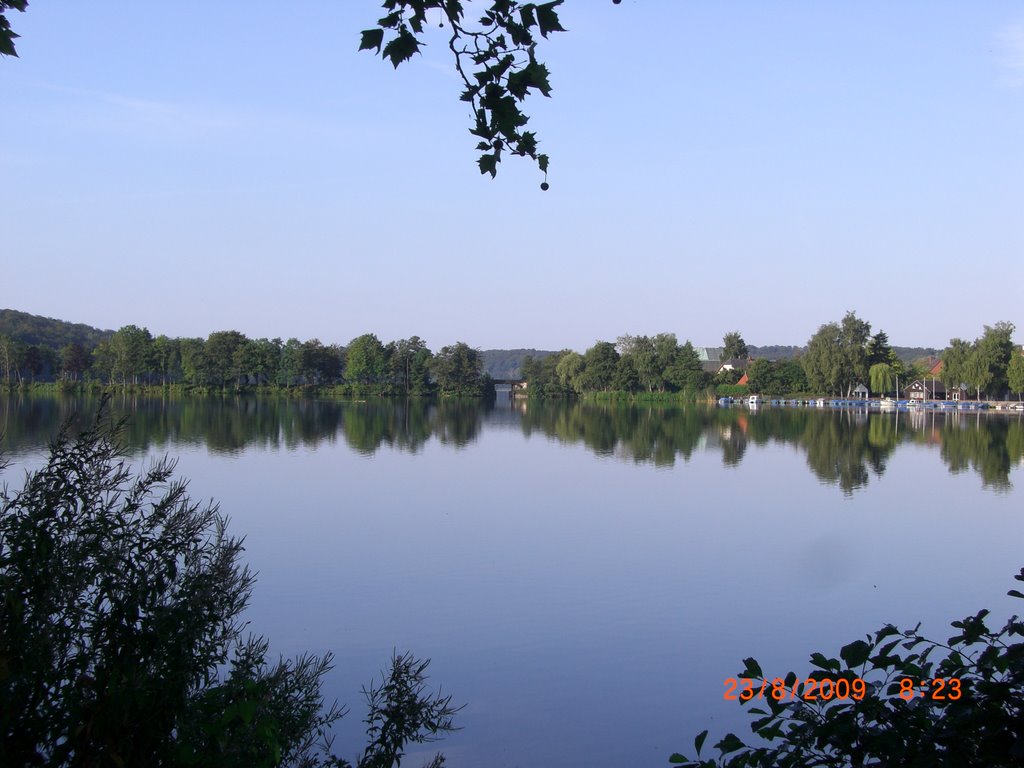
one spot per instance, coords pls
(584, 577)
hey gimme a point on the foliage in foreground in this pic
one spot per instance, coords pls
(904, 717)
(121, 642)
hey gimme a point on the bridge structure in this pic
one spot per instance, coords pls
(511, 386)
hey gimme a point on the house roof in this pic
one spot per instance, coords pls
(708, 354)
(936, 388)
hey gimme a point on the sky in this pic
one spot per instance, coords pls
(751, 166)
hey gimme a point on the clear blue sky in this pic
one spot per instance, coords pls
(765, 167)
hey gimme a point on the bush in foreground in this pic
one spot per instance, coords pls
(908, 701)
(121, 638)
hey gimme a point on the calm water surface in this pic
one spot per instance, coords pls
(585, 577)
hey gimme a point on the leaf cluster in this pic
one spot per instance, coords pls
(7, 35)
(983, 727)
(495, 57)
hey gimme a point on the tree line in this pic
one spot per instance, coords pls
(633, 364)
(230, 360)
(838, 357)
(842, 354)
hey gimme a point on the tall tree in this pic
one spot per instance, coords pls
(1015, 373)
(601, 361)
(882, 378)
(879, 350)
(8, 356)
(853, 338)
(977, 371)
(131, 349)
(734, 347)
(195, 366)
(288, 362)
(32, 360)
(640, 350)
(459, 370)
(685, 370)
(166, 358)
(836, 357)
(408, 365)
(823, 360)
(626, 378)
(366, 362)
(954, 363)
(760, 378)
(220, 354)
(996, 349)
(570, 370)
(319, 364)
(246, 360)
(73, 361)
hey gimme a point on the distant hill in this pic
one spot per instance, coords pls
(910, 354)
(506, 363)
(782, 352)
(46, 331)
(774, 352)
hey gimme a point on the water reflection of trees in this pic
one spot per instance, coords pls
(844, 448)
(233, 424)
(991, 447)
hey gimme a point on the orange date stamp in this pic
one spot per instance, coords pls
(826, 689)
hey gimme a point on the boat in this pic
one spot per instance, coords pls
(755, 400)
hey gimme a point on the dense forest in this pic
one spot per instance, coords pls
(228, 360)
(45, 331)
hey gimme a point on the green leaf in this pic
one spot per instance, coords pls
(542, 162)
(527, 17)
(730, 743)
(547, 18)
(752, 669)
(1015, 593)
(699, 742)
(7, 38)
(819, 660)
(372, 38)
(533, 75)
(676, 759)
(856, 653)
(488, 164)
(401, 48)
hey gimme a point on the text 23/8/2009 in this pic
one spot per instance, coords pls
(827, 689)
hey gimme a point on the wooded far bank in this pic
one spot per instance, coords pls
(838, 357)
